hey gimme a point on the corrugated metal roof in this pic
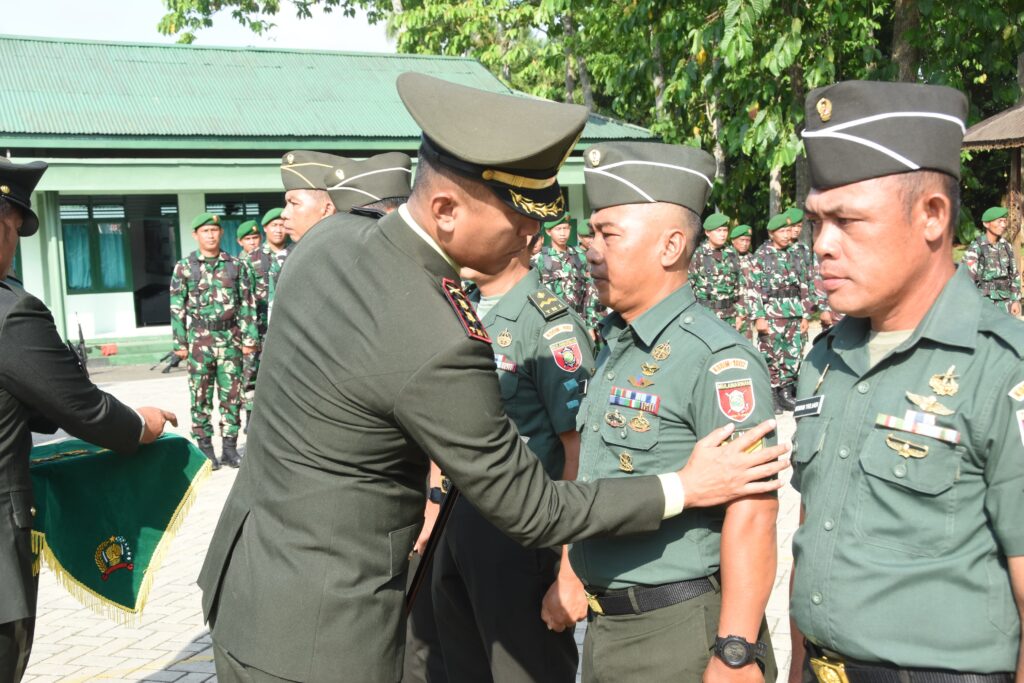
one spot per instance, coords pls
(83, 88)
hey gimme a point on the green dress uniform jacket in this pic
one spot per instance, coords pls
(909, 519)
(368, 369)
(42, 387)
(662, 384)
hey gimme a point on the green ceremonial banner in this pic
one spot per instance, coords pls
(104, 521)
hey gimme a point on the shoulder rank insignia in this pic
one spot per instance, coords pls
(547, 303)
(464, 310)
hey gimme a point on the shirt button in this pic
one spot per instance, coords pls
(583, 478)
(829, 525)
(816, 598)
(623, 434)
(844, 452)
(687, 319)
(610, 375)
(900, 470)
(596, 427)
(863, 387)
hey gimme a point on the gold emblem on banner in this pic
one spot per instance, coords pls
(944, 384)
(505, 338)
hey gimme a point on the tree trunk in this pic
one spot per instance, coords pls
(659, 78)
(570, 80)
(716, 129)
(802, 172)
(775, 191)
(584, 74)
(906, 18)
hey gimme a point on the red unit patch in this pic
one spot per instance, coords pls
(736, 398)
(567, 354)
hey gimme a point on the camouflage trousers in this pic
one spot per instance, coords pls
(783, 348)
(220, 365)
(250, 368)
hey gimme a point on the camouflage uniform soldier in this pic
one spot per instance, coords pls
(992, 265)
(740, 239)
(214, 326)
(263, 266)
(715, 273)
(781, 302)
(563, 270)
(819, 302)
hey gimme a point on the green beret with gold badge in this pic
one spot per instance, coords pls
(547, 225)
(715, 221)
(993, 214)
(739, 231)
(584, 230)
(353, 183)
(512, 144)
(794, 216)
(17, 181)
(271, 215)
(777, 221)
(205, 219)
(305, 170)
(247, 228)
(648, 172)
(858, 130)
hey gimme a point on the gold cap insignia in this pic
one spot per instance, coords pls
(4, 189)
(215, 219)
(594, 156)
(824, 107)
(290, 158)
(340, 173)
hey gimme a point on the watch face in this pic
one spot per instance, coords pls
(734, 652)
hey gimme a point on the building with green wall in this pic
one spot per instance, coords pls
(141, 138)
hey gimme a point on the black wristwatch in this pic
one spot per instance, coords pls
(737, 652)
(435, 495)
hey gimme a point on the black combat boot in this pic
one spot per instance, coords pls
(776, 406)
(229, 452)
(787, 398)
(206, 446)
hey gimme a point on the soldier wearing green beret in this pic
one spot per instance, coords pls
(992, 264)
(214, 326)
(248, 235)
(782, 303)
(740, 241)
(685, 602)
(716, 275)
(909, 450)
(321, 520)
(585, 236)
(306, 201)
(504, 612)
(563, 270)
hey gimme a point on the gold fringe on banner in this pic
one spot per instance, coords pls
(126, 616)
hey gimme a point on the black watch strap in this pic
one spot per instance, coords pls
(435, 495)
(727, 649)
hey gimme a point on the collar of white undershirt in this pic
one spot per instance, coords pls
(403, 211)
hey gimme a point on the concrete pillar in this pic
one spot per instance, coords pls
(47, 279)
(190, 205)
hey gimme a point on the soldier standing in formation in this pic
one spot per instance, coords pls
(214, 326)
(506, 613)
(740, 240)
(715, 273)
(685, 602)
(586, 237)
(909, 562)
(248, 236)
(992, 264)
(819, 302)
(563, 270)
(277, 246)
(781, 299)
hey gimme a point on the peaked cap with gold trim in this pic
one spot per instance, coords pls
(513, 144)
(857, 130)
(305, 170)
(17, 181)
(647, 172)
(353, 183)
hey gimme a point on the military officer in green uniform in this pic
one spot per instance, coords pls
(782, 303)
(214, 326)
(715, 273)
(306, 201)
(909, 563)
(305, 575)
(992, 264)
(506, 613)
(685, 602)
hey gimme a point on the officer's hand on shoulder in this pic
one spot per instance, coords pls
(719, 471)
(155, 419)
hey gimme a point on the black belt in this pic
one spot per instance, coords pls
(863, 672)
(216, 325)
(640, 599)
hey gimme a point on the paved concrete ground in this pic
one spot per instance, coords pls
(170, 642)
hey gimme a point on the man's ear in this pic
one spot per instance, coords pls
(329, 208)
(444, 204)
(673, 247)
(934, 210)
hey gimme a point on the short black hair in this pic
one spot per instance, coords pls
(915, 183)
(8, 207)
(385, 205)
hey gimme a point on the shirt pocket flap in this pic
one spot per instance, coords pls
(633, 429)
(935, 471)
(810, 438)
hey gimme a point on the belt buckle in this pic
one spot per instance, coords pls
(829, 670)
(593, 603)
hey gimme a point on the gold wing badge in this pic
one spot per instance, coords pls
(929, 404)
